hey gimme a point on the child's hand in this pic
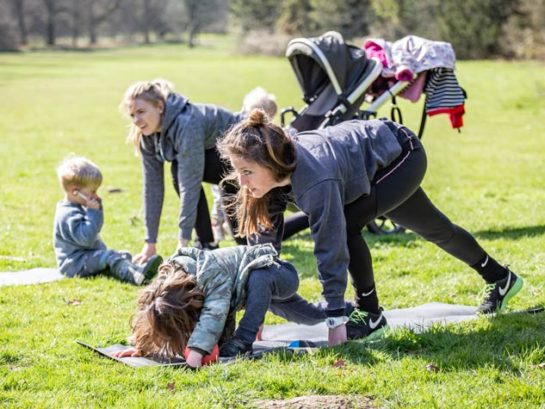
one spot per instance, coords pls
(194, 359)
(129, 352)
(93, 203)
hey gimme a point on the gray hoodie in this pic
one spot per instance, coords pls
(187, 131)
(75, 234)
(335, 166)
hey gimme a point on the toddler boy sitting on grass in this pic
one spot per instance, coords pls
(78, 220)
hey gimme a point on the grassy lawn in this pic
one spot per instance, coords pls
(489, 178)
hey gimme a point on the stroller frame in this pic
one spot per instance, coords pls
(335, 93)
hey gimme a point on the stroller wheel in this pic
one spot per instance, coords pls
(383, 225)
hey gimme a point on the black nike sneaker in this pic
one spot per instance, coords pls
(363, 324)
(498, 294)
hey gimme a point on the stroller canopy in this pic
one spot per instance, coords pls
(325, 60)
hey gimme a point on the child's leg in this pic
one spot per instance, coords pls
(95, 263)
(277, 282)
(297, 309)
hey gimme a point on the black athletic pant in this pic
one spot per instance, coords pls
(214, 170)
(396, 193)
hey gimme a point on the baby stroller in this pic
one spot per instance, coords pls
(337, 79)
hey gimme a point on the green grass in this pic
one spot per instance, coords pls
(489, 179)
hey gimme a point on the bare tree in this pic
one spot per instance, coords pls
(19, 8)
(76, 21)
(97, 13)
(200, 13)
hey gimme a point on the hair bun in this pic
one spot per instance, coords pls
(257, 117)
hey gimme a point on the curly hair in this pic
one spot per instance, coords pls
(168, 310)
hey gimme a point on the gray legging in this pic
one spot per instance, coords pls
(396, 193)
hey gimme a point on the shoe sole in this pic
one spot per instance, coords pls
(511, 293)
(373, 336)
(152, 267)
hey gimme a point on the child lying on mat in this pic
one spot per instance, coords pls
(193, 301)
(78, 220)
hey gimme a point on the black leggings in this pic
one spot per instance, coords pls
(214, 170)
(396, 193)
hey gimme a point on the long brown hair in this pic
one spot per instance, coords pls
(168, 310)
(256, 139)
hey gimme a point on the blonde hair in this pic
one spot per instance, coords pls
(155, 92)
(258, 140)
(79, 171)
(168, 310)
(260, 98)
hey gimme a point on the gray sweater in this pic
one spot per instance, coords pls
(75, 233)
(335, 166)
(187, 131)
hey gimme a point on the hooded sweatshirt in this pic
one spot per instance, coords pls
(75, 234)
(335, 166)
(187, 130)
(222, 275)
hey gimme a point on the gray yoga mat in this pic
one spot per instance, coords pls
(33, 276)
(298, 338)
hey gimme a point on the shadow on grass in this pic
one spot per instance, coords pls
(505, 342)
(407, 237)
(513, 233)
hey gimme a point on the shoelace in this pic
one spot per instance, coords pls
(358, 316)
(487, 290)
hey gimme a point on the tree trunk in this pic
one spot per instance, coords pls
(76, 21)
(19, 6)
(145, 21)
(50, 37)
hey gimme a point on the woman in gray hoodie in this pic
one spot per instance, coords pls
(166, 127)
(343, 177)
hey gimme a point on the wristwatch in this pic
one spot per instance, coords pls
(334, 322)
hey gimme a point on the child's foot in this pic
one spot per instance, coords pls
(498, 294)
(149, 269)
(235, 346)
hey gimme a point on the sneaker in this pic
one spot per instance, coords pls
(149, 269)
(363, 324)
(498, 294)
(235, 346)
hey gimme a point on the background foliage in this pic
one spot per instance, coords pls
(476, 28)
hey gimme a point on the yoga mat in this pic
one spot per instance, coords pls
(33, 276)
(295, 338)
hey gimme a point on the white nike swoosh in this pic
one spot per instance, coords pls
(502, 291)
(374, 324)
(367, 294)
(485, 262)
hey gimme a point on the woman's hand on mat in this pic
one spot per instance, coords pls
(148, 250)
(337, 335)
(131, 351)
(194, 359)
